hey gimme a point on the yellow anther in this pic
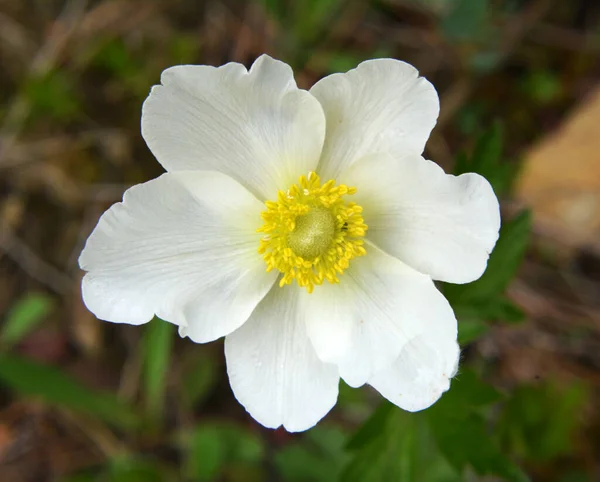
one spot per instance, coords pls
(311, 233)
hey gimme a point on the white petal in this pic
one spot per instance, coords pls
(442, 225)
(381, 106)
(273, 369)
(379, 306)
(255, 126)
(421, 373)
(182, 246)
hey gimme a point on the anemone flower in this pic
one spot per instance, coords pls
(305, 227)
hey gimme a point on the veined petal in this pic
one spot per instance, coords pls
(381, 106)
(381, 304)
(255, 126)
(441, 225)
(182, 246)
(421, 374)
(273, 369)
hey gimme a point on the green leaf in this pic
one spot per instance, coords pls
(184, 48)
(486, 160)
(543, 86)
(311, 17)
(539, 423)
(135, 470)
(53, 94)
(384, 456)
(464, 440)
(276, 8)
(318, 457)
(372, 428)
(502, 265)
(474, 318)
(354, 403)
(469, 120)
(488, 58)
(158, 341)
(52, 386)
(330, 440)
(470, 330)
(495, 309)
(114, 56)
(488, 149)
(24, 316)
(199, 378)
(469, 392)
(466, 21)
(460, 429)
(218, 448)
(502, 309)
(394, 445)
(207, 453)
(575, 475)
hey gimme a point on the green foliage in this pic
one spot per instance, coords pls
(460, 429)
(302, 26)
(54, 387)
(479, 302)
(199, 378)
(304, 21)
(383, 448)
(134, 470)
(469, 119)
(158, 341)
(218, 448)
(116, 58)
(319, 458)
(276, 8)
(470, 329)
(470, 392)
(470, 25)
(54, 95)
(464, 440)
(394, 445)
(503, 263)
(486, 60)
(342, 61)
(311, 17)
(371, 429)
(466, 20)
(502, 267)
(184, 49)
(487, 160)
(23, 317)
(543, 86)
(207, 453)
(440, 444)
(483, 300)
(539, 423)
(474, 316)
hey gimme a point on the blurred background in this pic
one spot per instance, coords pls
(82, 400)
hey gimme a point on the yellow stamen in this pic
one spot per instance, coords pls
(311, 232)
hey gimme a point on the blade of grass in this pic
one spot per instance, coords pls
(23, 317)
(158, 341)
(49, 384)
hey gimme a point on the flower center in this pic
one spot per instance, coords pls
(312, 232)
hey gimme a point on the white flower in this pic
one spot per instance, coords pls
(305, 227)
